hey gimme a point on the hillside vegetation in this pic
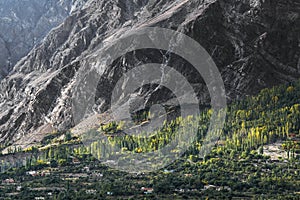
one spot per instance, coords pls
(236, 166)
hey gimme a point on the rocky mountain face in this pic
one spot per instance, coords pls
(24, 23)
(254, 43)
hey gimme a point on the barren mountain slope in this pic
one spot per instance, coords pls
(254, 44)
(23, 24)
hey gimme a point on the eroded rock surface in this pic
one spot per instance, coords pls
(255, 44)
(24, 23)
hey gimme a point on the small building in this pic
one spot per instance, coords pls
(207, 187)
(111, 162)
(96, 175)
(32, 173)
(169, 171)
(39, 198)
(8, 181)
(91, 191)
(75, 161)
(188, 175)
(45, 173)
(147, 190)
(86, 169)
(180, 190)
(223, 188)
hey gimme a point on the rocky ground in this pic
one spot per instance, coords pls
(255, 44)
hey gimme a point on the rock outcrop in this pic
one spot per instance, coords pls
(23, 24)
(254, 43)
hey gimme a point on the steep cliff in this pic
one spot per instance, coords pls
(23, 24)
(255, 44)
